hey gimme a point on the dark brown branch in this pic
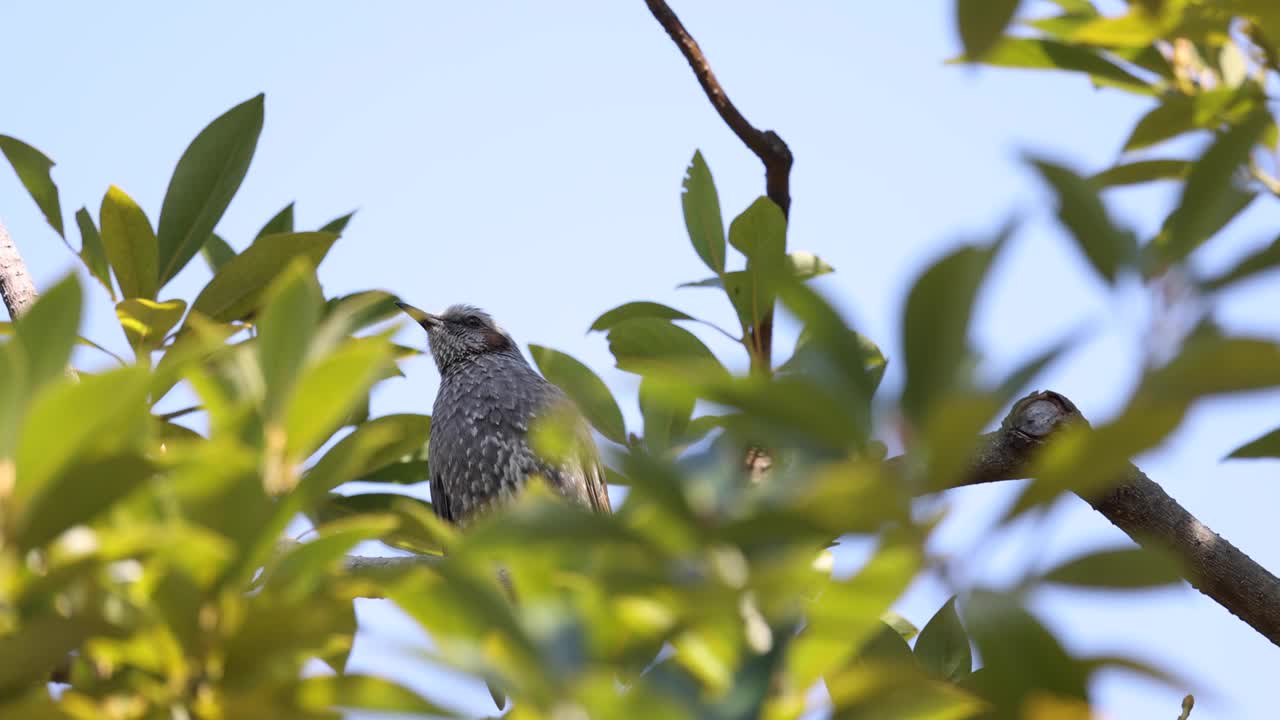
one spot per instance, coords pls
(1139, 507)
(767, 145)
(15, 282)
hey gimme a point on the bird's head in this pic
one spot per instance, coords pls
(459, 334)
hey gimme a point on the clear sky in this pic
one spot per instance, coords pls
(527, 157)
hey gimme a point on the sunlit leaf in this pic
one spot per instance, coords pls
(327, 391)
(78, 494)
(207, 176)
(33, 167)
(417, 530)
(147, 322)
(760, 233)
(702, 213)
(646, 345)
(301, 570)
(1039, 54)
(289, 318)
(365, 692)
(585, 388)
(338, 225)
(130, 244)
(236, 290)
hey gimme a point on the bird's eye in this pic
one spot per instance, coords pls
(473, 321)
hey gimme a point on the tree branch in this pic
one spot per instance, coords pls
(767, 145)
(15, 282)
(1139, 507)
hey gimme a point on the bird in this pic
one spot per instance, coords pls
(479, 448)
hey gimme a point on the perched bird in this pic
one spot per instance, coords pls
(489, 396)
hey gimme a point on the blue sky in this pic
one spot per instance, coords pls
(527, 158)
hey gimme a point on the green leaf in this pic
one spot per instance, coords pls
(702, 213)
(281, 222)
(1255, 263)
(33, 167)
(147, 322)
(327, 391)
(760, 233)
(666, 416)
(100, 414)
(83, 491)
(410, 472)
(647, 345)
(1143, 171)
(289, 318)
(1127, 568)
(1134, 29)
(27, 653)
(943, 646)
(130, 244)
(235, 291)
(365, 692)
(1108, 248)
(92, 251)
(207, 176)
(585, 388)
(639, 309)
(1210, 191)
(1038, 54)
(418, 530)
(371, 446)
(47, 331)
(936, 326)
(301, 570)
(805, 265)
(1020, 656)
(1267, 446)
(216, 252)
(338, 225)
(982, 22)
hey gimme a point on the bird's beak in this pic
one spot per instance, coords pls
(425, 319)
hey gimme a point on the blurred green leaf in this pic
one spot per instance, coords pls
(216, 252)
(1125, 569)
(207, 176)
(1257, 262)
(147, 322)
(235, 291)
(300, 571)
(887, 645)
(982, 22)
(83, 491)
(585, 388)
(936, 325)
(1133, 29)
(289, 318)
(702, 213)
(130, 244)
(1108, 248)
(401, 473)
(372, 445)
(92, 252)
(639, 309)
(47, 331)
(943, 646)
(417, 529)
(360, 310)
(365, 692)
(281, 222)
(648, 345)
(1210, 191)
(69, 421)
(1039, 54)
(847, 614)
(1020, 656)
(1142, 171)
(328, 390)
(33, 167)
(666, 416)
(1267, 446)
(27, 653)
